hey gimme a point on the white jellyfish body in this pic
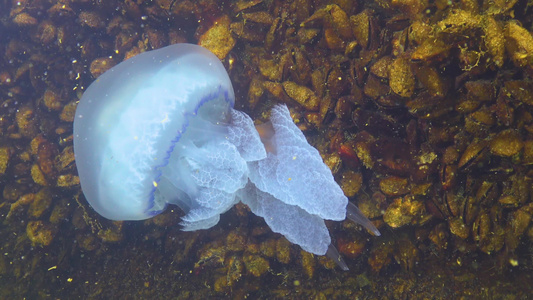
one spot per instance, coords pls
(160, 128)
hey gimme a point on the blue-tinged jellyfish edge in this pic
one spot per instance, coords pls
(174, 142)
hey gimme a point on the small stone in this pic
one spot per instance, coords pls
(100, 65)
(38, 176)
(68, 112)
(24, 19)
(218, 39)
(221, 284)
(270, 69)
(5, 155)
(60, 212)
(361, 28)
(519, 44)
(87, 241)
(301, 94)
(19, 205)
(506, 143)
(283, 250)
(307, 35)
(65, 158)
(27, 122)
(402, 211)
(268, 248)
(308, 263)
(256, 265)
(40, 233)
(52, 100)
(67, 180)
(394, 186)
(351, 182)
(235, 241)
(528, 152)
(91, 19)
(41, 203)
(112, 234)
(401, 79)
(351, 248)
(458, 228)
(261, 17)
